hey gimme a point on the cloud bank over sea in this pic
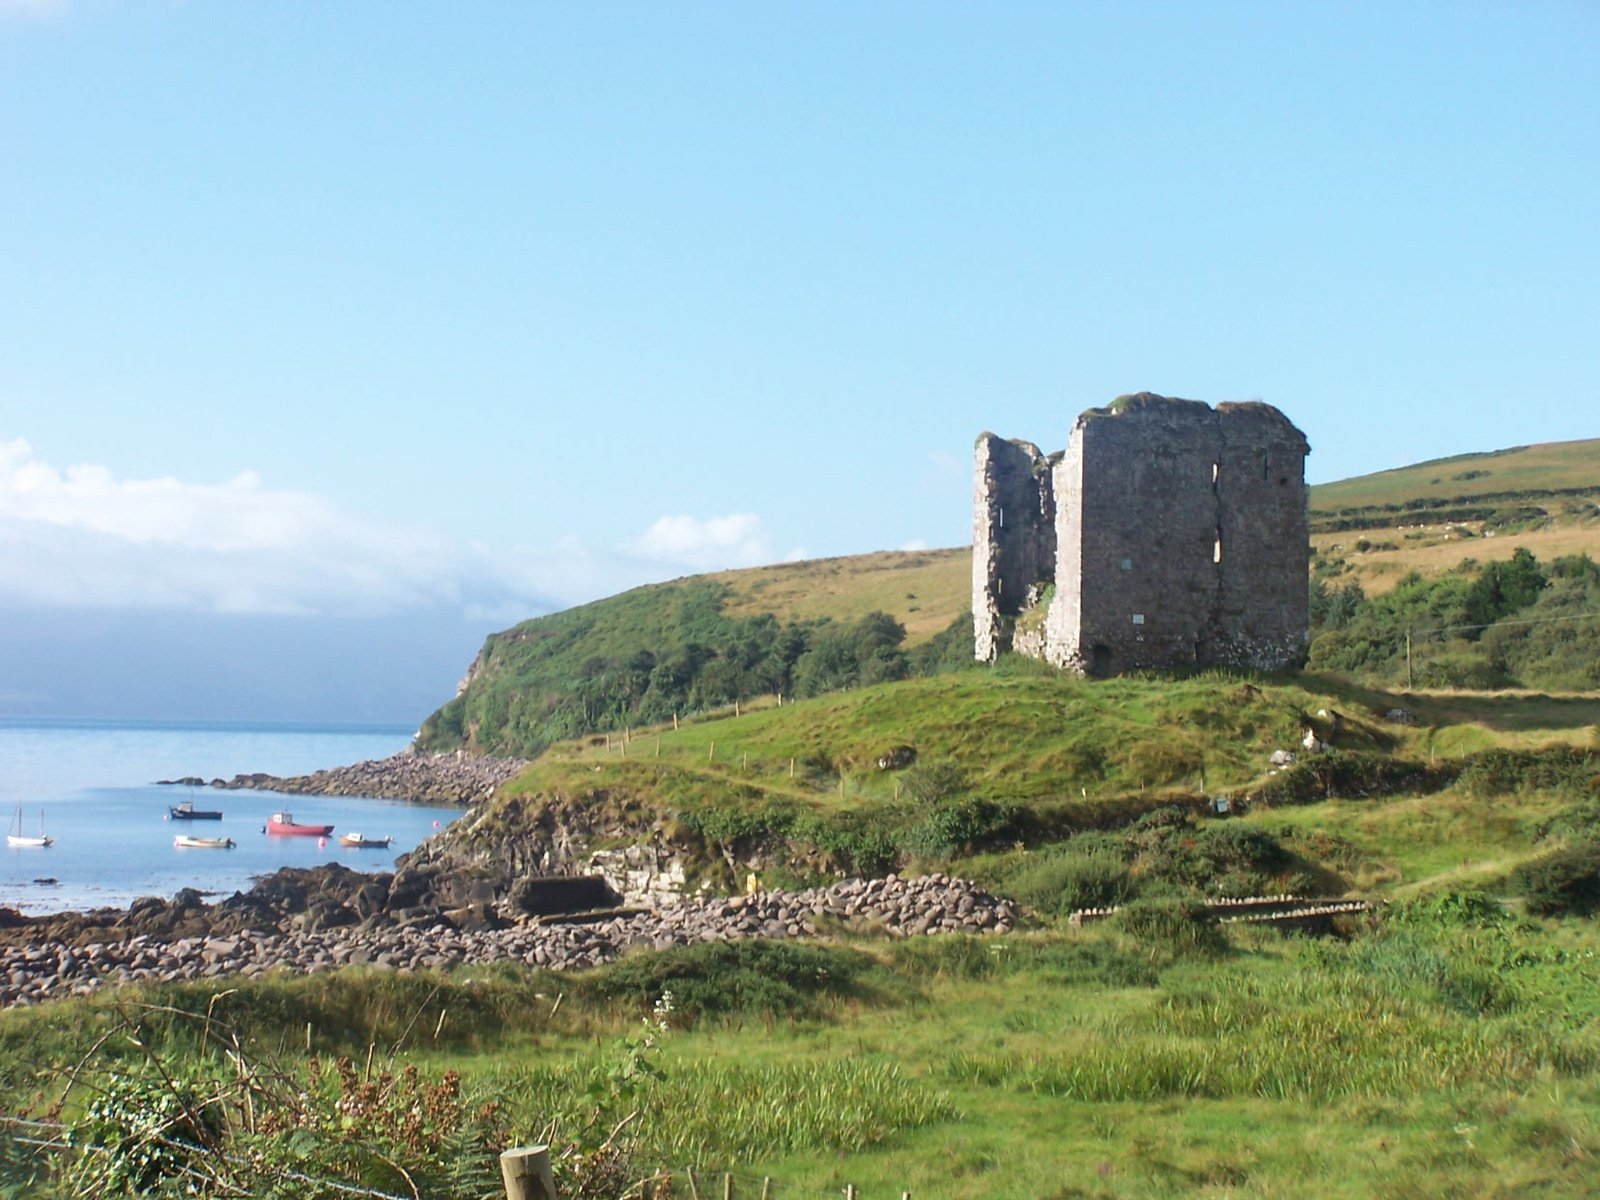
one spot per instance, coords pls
(169, 598)
(79, 537)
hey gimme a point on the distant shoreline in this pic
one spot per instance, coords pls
(458, 780)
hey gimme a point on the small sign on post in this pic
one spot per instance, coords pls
(525, 1171)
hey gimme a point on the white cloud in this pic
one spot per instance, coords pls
(80, 537)
(705, 545)
(916, 544)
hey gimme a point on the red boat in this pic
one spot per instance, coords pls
(284, 823)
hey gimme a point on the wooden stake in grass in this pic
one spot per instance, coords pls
(711, 751)
(525, 1170)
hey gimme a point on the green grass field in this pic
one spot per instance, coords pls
(1446, 1046)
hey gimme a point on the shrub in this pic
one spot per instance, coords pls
(959, 826)
(1173, 924)
(722, 978)
(1554, 768)
(1563, 881)
(1063, 882)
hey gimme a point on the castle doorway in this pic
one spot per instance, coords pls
(1100, 660)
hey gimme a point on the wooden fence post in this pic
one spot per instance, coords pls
(525, 1171)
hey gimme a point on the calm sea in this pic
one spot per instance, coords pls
(93, 784)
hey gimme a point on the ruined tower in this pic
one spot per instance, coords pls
(1168, 533)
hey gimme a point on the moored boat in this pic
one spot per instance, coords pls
(185, 842)
(186, 811)
(17, 838)
(284, 823)
(359, 842)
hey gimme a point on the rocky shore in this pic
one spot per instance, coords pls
(448, 779)
(35, 970)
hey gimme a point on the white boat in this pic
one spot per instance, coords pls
(185, 842)
(17, 838)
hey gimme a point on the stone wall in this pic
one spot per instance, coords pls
(1013, 537)
(1179, 539)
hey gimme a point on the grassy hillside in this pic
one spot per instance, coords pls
(1540, 470)
(695, 644)
(1448, 1045)
(960, 767)
(924, 590)
(1376, 529)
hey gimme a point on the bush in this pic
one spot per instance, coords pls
(722, 978)
(1563, 881)
(1063, 882)
(959, 826)
(1554, 768)
(1348, 775)
(1176, 925)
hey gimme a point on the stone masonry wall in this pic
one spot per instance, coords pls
(1013, 537)
(1180, 538)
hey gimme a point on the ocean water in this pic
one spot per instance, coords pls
(94, 785)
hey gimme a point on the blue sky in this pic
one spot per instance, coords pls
(359, 308)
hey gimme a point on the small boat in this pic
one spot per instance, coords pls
(284, 823)
(17, 838)
(186, 811)
(364, 843)
(184, 842)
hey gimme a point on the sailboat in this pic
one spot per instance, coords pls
(17, 838)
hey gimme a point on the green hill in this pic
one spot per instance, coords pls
(658, 652)
(1425, 519)
(807, 628)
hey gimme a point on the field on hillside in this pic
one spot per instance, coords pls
(924, 589)
(1378, 559)
(1543, 468)
(1430, 517)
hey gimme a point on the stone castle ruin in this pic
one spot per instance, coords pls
(1167, 534)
